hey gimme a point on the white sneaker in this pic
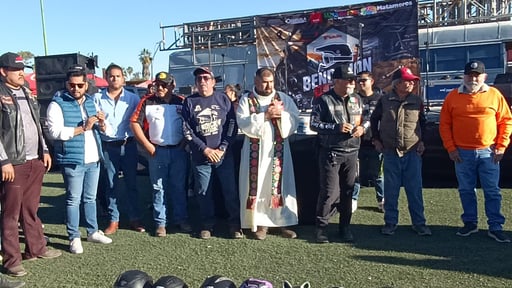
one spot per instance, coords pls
(75, 246)
(99, 237)
(354, 205)
(380, 206)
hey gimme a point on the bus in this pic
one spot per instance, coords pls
(444, 50)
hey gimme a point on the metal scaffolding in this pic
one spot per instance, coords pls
(434, 13)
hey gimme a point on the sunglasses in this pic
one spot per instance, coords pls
(362, 80)
(160, 84)
(204, 78)
(76, 85)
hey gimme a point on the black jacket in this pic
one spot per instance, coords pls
(12, 139)
(369, 104)
(329, 112)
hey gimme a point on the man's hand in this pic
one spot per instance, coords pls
(274, 110)
(47, 161)
(498, 155)
(358, 131)
(90, 122)
(8, 173)
(150, 148)
(378, 145)
(346, 128)
(421, 148)
(213, 155)
(454, 156)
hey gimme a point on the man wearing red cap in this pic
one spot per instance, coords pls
(475, 126)
(24, 159)
(397, 124)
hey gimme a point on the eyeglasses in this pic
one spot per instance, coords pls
(160, 84)
(76, 85)
(204, 78)
(362, 80)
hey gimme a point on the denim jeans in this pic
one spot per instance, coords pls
(225, 173)
(479, 164)
(81, 182)
(128, 198)
(403, 171)
(370, 166)
(168, 175)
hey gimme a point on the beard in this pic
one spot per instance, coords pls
(472, 86)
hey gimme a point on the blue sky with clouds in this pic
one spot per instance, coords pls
(118, 30)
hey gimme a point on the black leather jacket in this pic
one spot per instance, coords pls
(329, 112)
(12, 139)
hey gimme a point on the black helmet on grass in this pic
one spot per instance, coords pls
(134, 279)
(218, 281)
(170, 282)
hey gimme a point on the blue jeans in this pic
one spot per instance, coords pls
(225, 172)
(81, 182)
(403, 171)
(479, 164)
(370, 164)
(168, 175)
(113, 163)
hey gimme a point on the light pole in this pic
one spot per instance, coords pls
(44, 28)
(157, 47)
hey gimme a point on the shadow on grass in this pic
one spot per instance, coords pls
(478, 253)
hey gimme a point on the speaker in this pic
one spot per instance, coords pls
(47, 88)
(51, 71)
(58, 64)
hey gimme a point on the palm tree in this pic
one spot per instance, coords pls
(27, 57)
(129, 71)
(145, 59)
(136, 76)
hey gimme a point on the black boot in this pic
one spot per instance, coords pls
(346, 235)
(321, 235)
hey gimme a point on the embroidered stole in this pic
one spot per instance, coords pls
(277, 160)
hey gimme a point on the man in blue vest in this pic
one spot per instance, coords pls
(74, 121)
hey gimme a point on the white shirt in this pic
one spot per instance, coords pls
(55, 122)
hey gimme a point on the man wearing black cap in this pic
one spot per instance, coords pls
(336, 117)
(397, 125)
(24, 159)
(210, 127)
(74, 121)
(168, 162)
(475, 126)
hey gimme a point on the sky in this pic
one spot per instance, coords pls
(118, 30)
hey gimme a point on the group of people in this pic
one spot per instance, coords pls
(359, 128)
(475, 127)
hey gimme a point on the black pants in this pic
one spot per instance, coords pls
(338, 171)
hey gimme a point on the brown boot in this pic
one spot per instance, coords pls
(160, 231)
(261, 233)
(287, 233)
(136, 226)
(112, 228)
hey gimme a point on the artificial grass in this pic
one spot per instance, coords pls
(374, 260)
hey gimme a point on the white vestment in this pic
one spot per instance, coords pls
(254, 125)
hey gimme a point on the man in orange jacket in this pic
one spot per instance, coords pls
(475, 127)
